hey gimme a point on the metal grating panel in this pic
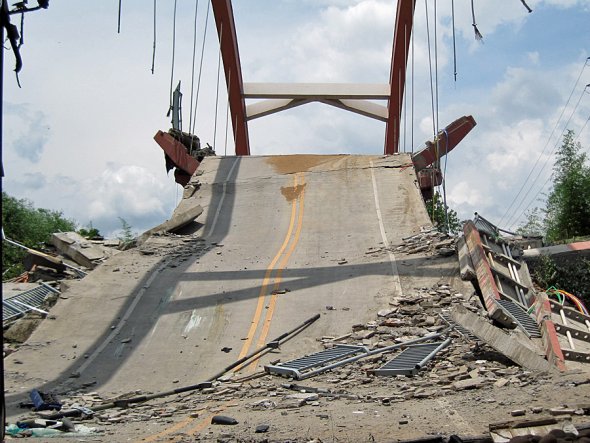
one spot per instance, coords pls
(411, 360)
(295, 367)
(33, 297)
(466, 333)
(525, 321)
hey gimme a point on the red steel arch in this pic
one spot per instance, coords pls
(226, 31)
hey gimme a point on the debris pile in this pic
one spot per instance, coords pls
(428, 241)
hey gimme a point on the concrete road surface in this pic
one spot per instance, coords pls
(281, 239)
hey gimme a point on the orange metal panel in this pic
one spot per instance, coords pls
(176, 152)
(448, 138)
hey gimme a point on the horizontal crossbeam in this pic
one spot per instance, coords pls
(317, 91)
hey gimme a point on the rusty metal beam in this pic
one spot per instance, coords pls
(178, 157)
(399, 59)
(447, 139)
(228, 41)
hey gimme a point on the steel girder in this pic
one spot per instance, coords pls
(228, 41)
(397, 79)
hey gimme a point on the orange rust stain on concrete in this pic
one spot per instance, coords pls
(292, 192)
(291, 164)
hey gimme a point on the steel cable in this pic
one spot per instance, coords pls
(201, 66)
(173, 55)
(545, 147)
(513, 220)
(190, 120)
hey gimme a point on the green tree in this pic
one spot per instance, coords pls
(534, 224)
(27, 225)
(127, 237)
(568, 203)
(438, 213)
(90, 232)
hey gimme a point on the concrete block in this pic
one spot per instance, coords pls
(83, 252)
(182, 216)
(465, 264)
(500, 341)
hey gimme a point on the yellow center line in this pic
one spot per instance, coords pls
(279, 274)
(205, 422)
(265, 282)
(176, 427)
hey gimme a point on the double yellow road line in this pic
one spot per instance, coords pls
(282, 258)
(272, 279)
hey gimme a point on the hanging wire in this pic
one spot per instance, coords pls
(412, 122)
(515, 199)
(437, 115)
(173, 55)
(478, 35)
(154, 45)
(217, 89)
(431, 99)
(454, 40)
(526, 6)
(513, 220)
(430, 69)
(582, 130)
(201, 66)
(190, 120)
(436, 77)
(119, 19)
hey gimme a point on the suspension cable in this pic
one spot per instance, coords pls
(119, 18)
(190, 120)
(437, 114)
(430, 69)
(582, 130)
(201, 66)
(511, 221)
(412, 122)
(431, 99)
(154, 45)
(217, 89)
(454, 40)
(546, 144)
(478, 35)
(173, 55)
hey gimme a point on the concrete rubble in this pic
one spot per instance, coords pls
(484, 362)
(468, 365)
(84, 252)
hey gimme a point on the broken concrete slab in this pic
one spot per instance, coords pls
(559, 252)
(181, 217)
(465, 264)
(500, 341)
(82, 251)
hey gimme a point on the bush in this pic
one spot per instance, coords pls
(27, 225)
(571, 276)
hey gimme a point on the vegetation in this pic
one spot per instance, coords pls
(126, 237)
(90, 232)
(438, 213)
(565, 218)
(29, 226)
(568, 204)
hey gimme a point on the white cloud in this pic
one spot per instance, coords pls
(103, 105)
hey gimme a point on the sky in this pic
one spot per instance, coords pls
(78, 134)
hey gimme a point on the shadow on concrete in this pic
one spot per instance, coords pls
(156, 302)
